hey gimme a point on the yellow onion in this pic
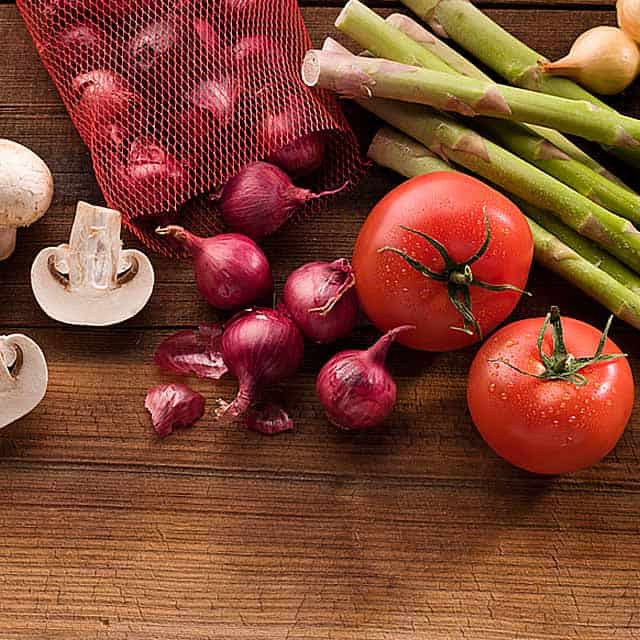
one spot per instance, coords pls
(603, 59)
(629, 17)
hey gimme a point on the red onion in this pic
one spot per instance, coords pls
(206, 33)
(237, 7)
(218, 97)
(103, 95)
(321, 300)
(81, 39)
(302, 156)
(355, 388)
(260, 198)
(197, 352)
(173, 405)
(261, 347)
(269, 419)
(254, 51)
(153, 42)
(149, 162)
(231, 270)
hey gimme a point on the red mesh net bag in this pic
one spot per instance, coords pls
(173, 97)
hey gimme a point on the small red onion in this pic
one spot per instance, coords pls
(261, 347)
(255, 51)
(103, 95)
(355, 388)
(321, 299)
(172, 406)
(260, 198)
(193, 352)
(149, 162)
(269, 419)
(217, 97)
(81, 38)
(206, 33)
(237, 7)
(302, 156)
(151, 44)
(231, 270)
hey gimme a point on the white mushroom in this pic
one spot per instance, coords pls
(91, 281)
(26, 191)
(23, 377)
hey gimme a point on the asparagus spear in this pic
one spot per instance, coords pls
(552, 160)
(459, 63)
(499, 50)
(357, 76)
(409, 158)
(467, 148)
(412, 44)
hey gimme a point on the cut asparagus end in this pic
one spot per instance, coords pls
(7, 242)
(333, 46)
(23, 377)
(91, 281)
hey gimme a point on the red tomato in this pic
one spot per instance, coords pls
(548, 426)
(451, 208)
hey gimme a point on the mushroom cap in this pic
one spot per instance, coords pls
(26, 185)
(22, 389)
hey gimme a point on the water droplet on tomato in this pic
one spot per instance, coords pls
(503, 396)
(572, 418)
(556, 423)
(563, 405)
(492, 387)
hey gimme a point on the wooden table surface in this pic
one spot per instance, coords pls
(416, 531)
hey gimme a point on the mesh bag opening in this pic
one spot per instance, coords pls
(173, 97)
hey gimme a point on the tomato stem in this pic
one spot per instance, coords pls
(562, 365)
(458, 276)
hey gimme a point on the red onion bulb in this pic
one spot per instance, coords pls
(260, 198)
(302, 156)
(151, 44)
(321, 299)
(260, 347)
(355, 388)
(231, 270)
(217, 97)
(81, 39)
(103, 96)
(254, 52)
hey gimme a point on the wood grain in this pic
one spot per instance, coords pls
(413, 532)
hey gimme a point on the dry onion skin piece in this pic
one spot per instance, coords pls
(26, 191)
(23, 377)
(92, 281)
(269, 419)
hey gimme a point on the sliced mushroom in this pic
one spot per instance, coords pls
(23, 377)
(91, 281)
(26, 191)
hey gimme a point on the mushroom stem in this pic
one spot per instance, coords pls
(7, 242)
(92, 256)
(7, 358)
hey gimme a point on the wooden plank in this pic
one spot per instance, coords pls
(415, 531)
(182, 555)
